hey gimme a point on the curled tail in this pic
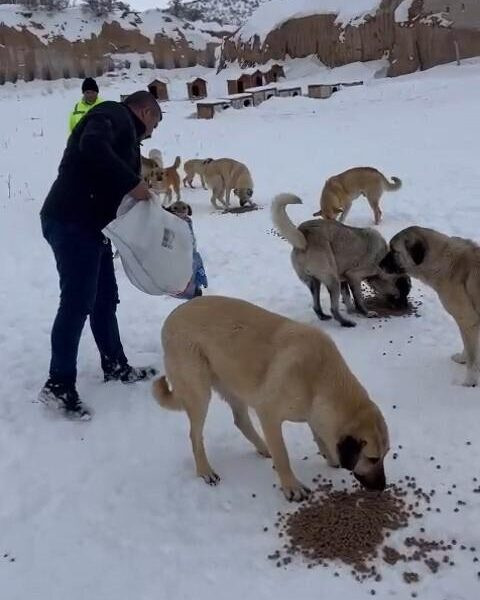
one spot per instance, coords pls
(165, 396)
(282, 222)
(396, 184)
(177, 162)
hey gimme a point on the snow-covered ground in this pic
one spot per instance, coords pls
(111, 509)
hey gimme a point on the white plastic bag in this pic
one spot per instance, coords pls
(155, 246)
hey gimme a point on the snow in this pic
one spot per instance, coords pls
(112, 509)
(78, 23)
(401, 12)
(273, 14)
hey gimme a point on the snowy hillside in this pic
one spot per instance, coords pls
(272, 14)
(76, 24)
(111, 509)
(225, 11)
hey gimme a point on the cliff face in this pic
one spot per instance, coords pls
(70, 44)
(413, 34)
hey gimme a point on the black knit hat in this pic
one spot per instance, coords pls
(89, 84)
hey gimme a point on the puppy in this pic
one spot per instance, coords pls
(179, 208)
(451, 266)
(340, 257)
(195, 166)
(341, 190)
(225, 175)
(285, 371)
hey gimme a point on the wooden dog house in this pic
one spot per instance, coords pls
(238, 101)
(290, 92)
(274, 74)
(197, 88)
(158, 89)
(209, 108)
(322, 90)
(262, 93)
(247, 80)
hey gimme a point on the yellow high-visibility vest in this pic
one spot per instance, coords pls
(80, 109)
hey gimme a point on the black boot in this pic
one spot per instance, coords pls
(127, 374)
(65, 399)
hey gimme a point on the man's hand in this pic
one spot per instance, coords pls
(140, 192)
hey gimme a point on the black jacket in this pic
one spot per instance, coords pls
(101, 163)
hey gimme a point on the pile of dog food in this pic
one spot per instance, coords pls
(354, 526)
(385, 311)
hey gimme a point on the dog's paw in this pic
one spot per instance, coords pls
(211, 478)
(459, 358)
(296, 492)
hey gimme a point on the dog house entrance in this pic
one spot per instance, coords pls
(153, 90)
(195, 91)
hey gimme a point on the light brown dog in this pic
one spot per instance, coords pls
(151, 166)
(451, 266)
(168, 181)
(285, 371)
(195, 166)
(341, 190)
(225, 175)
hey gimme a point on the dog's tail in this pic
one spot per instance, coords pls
(282, 222)
(396, 184)
(177, 162)
(165, 396)
(156, 155)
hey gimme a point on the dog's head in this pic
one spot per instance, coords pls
(152, 168)
(244, 195)
(181, 209)
(363, 448)
(408, 250)
(393, 288)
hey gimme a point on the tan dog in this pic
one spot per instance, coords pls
(195, 166)
(451, 266)
(285, 371)
(341, 258)
(225, 175)
(168, 181)
(151, 167)
(341, 190)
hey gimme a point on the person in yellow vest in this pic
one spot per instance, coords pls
(89, 99)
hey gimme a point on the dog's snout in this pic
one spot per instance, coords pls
(375, 481)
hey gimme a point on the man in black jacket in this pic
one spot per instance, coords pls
(100, 165)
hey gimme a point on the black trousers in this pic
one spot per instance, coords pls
(87, 287)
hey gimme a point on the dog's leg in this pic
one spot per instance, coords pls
(228, 193)
(272, 429)
(185, 180)
(176, 187)
(333, 286)
(346, 297)
(314, 285)
(356, 287)
(346, 209)
(203, 182)
(196, 409)
(470, 336)
(374, 201)
(242, 420)
(324, 451)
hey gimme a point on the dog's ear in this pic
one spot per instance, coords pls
(389, 264)
(249, 192)
(207, 161)
(349, 452)
(417, 251)
(189, 210)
